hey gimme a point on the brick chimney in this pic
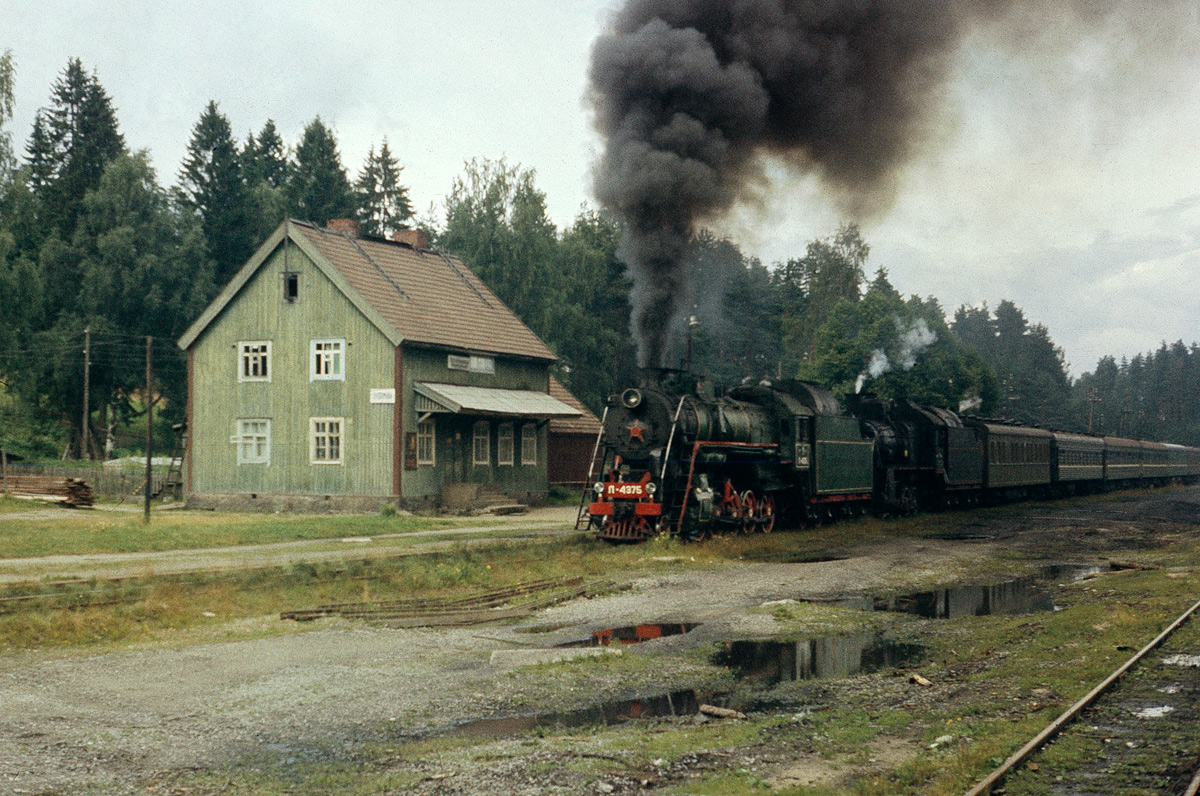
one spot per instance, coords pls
(412, 237)
(346, 226)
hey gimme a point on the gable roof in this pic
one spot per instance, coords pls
(584, 423)
(412, 295)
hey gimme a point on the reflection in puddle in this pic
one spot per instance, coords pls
(768, 662)
(1018, 596)
(758, 664)
(633, 634)
(792, 557)
(676, 703)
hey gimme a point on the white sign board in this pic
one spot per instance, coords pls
(383, 396)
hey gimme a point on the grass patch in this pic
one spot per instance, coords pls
(118, 531)
(12, 505)
(153, 607)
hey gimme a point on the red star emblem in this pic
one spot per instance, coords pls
(636, 431)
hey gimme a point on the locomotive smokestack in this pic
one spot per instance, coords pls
(693, 96)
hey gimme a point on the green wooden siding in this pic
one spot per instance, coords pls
(290, 399)
(454, 433)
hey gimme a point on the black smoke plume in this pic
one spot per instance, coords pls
(692, 97)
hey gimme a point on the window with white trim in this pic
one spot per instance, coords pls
(325, 440)
(504, 444)
(253, 440)
(426, 442)
(327, 360)
(254, 360)
(482, 443)
(529, 443)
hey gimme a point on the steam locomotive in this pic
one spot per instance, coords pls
(679, 460)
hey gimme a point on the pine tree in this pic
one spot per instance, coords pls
(382, 200)
(79, 137)
(39, 154)
(265, 167)
(319, 188)
(265, 158)
(211, 186)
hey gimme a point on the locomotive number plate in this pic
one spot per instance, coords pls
(627, 491)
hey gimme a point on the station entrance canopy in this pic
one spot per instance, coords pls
(488, 402)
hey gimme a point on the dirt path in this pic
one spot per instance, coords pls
(111, 720)
(549, 521)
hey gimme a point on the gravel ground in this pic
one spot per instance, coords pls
(111, 720)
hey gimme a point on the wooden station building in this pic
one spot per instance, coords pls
(337, 371)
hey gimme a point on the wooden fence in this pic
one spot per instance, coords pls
(115, 483)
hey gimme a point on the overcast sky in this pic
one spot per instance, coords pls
(1070, 185)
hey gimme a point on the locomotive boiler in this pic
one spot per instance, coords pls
(679, 459)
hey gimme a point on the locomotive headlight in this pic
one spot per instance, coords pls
(631, 398)
(598, 488)
(651, 488)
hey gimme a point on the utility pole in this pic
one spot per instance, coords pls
(1092, 401)
(84, 447)
(149, 421)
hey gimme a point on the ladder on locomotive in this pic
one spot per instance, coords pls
(582, 518)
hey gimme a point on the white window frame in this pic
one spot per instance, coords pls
(323, 440)
(323, 354)
(505, 444)
(427, 442)
(481, 444)
(253, 443)
(529, 444)
(245, 356)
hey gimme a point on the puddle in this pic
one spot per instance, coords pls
(766, 663)
(760, 664)
(633, 634)
(792, 557)
(1026, 595)
(1153, 713)
(963, 537)
(676, 703)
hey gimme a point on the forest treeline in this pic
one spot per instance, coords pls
(95, 247)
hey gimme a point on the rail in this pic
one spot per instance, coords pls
(1071, 713)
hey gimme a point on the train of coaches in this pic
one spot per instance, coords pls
(673, 459)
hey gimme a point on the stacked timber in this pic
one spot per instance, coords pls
(73, 492)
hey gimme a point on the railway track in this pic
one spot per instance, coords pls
(509, 602)
(1131, 721)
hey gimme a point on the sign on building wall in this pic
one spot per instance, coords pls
(471, 364)
(383, 396)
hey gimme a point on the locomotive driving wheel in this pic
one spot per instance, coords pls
(731, 508)
(749, 511)
(766, 513)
